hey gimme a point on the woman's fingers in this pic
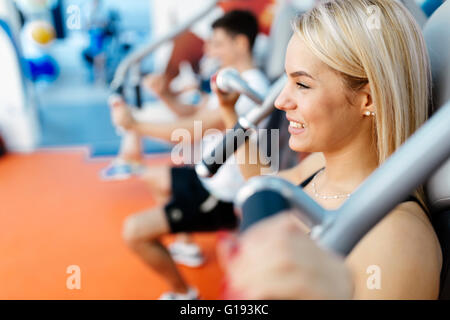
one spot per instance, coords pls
(276, 260)
(227, 248)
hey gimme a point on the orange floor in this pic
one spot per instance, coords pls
(55, 212)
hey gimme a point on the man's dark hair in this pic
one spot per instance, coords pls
(238, 22)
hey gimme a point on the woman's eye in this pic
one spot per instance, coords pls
(302, 86)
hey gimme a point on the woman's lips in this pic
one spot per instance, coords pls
(296, 131)
(296, 127)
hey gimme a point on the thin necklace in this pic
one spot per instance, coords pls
(327, 197)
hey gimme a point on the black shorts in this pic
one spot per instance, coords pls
(193, 209)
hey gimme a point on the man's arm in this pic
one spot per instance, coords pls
(195, 124)
(158, 84)
(202, 120)
(180, 109)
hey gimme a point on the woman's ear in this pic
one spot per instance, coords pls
(365, 100)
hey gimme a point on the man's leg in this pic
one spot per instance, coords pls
(141, 232)
(131, 147)
(191, 209)
(128, 161)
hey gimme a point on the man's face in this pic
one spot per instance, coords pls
(223, 47)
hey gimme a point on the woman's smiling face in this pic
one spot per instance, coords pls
(324, 114)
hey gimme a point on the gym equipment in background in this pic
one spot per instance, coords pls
(37, 36)
(35, 7)
(437, 38)
(18, 119)
(229, 80)
(131, 63)
(104, 48)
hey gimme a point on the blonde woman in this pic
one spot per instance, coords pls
(358, 87)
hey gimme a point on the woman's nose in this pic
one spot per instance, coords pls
(284, 102)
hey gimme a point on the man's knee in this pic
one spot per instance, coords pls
(130, 232)
(159, 180)
(144, 227)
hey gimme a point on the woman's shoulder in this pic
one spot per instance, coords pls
(305, 169)
(405, 249)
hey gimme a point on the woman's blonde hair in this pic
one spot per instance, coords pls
(376, 42)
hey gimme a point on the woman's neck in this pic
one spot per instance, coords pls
(348, 167)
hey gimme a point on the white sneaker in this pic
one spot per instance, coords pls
(192, 294)
(188, 254)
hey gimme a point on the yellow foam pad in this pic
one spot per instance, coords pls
(42, 35)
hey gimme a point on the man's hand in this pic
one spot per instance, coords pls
(276, 260)
(226, 100)
(121, 114)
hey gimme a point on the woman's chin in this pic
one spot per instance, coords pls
(298, 146)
